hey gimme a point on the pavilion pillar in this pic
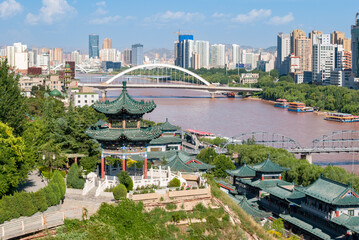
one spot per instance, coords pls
(124, 164)
(138, 124)
(76, 160)
(145, 166)
(102, 167)
(103, 94)
(123, 124)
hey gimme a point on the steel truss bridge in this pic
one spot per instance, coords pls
(162, 76)
(334, 142)
(78, 67)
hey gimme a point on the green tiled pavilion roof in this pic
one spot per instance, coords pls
(279, 192)
(243, 171)
(185, 163)
(332, 192)
(350, 222)
(264, 184)
(124, 103)
(306, 226)
(268, 166)
(166, 140)
(112, 134)
(246, 206)
(168, 127)
(55, 93)
(101, 124)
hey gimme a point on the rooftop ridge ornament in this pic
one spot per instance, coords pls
(124, 86)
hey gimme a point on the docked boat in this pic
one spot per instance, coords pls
(299, 107)
(281, 103)
(341, 117)
(231, 95)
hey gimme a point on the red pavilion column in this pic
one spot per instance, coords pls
(102, 167)
(145, 165)
(76, 160)
(124, 164)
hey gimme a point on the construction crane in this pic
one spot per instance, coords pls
(179, 32)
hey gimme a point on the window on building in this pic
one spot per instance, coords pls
(92, 101)
(85, 96)
(351, 212)
(78, 101)
(85, 101)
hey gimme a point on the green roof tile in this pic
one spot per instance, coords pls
(112, 134)
(55, 93)
(350, 222)
(243, 171)
(264, 184)
(168, 127)
(124, 104)
(166, 140)
(248, 208)
(185, 163)
(268, 166)
(332, 192)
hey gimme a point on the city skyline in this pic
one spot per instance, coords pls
(67, 24)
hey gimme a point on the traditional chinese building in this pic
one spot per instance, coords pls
(326, 209)
(183, 162)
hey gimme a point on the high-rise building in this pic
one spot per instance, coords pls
(337, 37)
(107, 43)
(137, 54)
(108, 54)
(347, 44)
(217, 55)
(303, 49)
(236, 54)
(295, 34)
(184, 49)
(75, 56)
(355, 46)
(347, 60)
(283, 52)
(127, 56)
(17, 56)
(94, 46)
(196, 61)
(58, 55)
(323, 59)
(202, 48)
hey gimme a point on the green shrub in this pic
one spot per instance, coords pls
(175, 182)
(39, 200)
(25, 204)
(11, 207)
(51, 198)
(89, 163)
(120, 192)
(126, 180)
(171, 206)
(74, 177)
(59, 180)
(57, 192)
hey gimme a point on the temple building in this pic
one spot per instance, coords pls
(183, 162)
(123, 136)
(324, 210)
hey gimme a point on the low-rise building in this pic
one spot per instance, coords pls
(84, 99)
(249, 78)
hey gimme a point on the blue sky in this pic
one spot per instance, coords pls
(67, 23)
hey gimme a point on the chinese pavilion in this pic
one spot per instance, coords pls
(123, 135)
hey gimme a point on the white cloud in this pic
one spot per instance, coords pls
(105, 20)
(50, 12)
(9, 8)
(276, 20)
(220, 15)
(252, 16)
(170, 16)
(101, 11)
(101, 4)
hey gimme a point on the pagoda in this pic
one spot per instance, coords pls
(123, 135)
(67, 77)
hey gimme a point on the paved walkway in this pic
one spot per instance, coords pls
(33, 183)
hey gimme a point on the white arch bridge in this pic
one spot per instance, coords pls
(162, 76)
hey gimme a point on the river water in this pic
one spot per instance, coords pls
(232, 116)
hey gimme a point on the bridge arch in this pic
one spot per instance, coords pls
(77, 66)
(158, 65)
(337, 139)
(270, 139)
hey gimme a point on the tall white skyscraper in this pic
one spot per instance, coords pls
(283, 52)
(187, 49)
(236, 54)
(217, 55)
(323, 59)
(20, 51)
(202, 48)
(108, 54)
(75, 56)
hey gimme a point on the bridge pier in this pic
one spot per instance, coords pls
(212, 95)
(307, 156)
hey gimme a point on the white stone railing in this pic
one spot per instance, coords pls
(109, 181)
(89, 185)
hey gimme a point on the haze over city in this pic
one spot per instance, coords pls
(66, 24)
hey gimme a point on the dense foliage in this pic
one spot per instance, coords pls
(222, 163)
(301, 171)
(12, 108)
(175, 182)
(26, 204)
(74, 177)
(207, 155)
(126, 180)
(13, 162)
(128, 220)
(119, 192)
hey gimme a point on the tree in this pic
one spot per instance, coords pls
(278, 225)
(74, 177)
(120, 192)
(175, 182)
(14, 166)
(89, 163)
(286, 78)
(126, 180)
(222, 163)
(207, 155)
(12, 107)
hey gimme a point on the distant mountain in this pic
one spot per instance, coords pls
(270, 49)
(162, 52)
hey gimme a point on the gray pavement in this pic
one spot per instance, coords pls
(33, 183)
